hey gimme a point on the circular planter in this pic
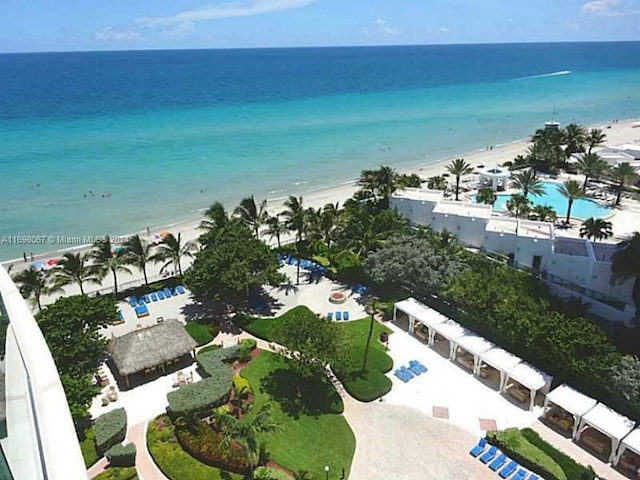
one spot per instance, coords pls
(337, 298)
(384, 337)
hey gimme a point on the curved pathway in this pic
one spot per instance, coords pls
(146, 467)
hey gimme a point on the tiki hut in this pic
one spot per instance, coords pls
(151, 348)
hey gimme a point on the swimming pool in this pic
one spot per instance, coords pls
(582, 208)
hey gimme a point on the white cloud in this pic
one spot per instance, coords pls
(114, 34)
(443, 29)
(233, 9)
(611, 8)
(383, 27)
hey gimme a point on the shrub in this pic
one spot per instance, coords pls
(200, 397)
(122, 455)
(241, 383)
(110, 429)
(212, 363)
(205, 444)
(199, 332)
(249, 343)
(88, 447)
(119, 473)
(262, 473)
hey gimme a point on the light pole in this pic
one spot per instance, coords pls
(326, 471)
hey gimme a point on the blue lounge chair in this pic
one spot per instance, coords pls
(508, 470)
(345, 316)
(401, 375)
(180, 289)
(520, 474)
(534, 477)
(133, 302)
(338, 316)
(407, 372)
(167, 292)
(416, 365)
(489, 454)
(174, 292)
(146, 298)
(477, 450)
(330, 315)
(140, 301)
(154, 297)
(160, 295)
(414, 370)
(142, 311)
(497, 462)
(120, 316)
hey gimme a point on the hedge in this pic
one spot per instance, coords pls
(118, 473)
(202, 396)
(529, 450)
(212, 362)
(249, 343)
(110, 429)
(241, 383)
(205, 444)
(122, 455)
(199, 332)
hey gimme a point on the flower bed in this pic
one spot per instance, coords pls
(337, 298)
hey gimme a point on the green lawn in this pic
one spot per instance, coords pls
(311, 435)
(118, 473)
(174, 462)
(266, 328)
(88, 447)
(199, 332)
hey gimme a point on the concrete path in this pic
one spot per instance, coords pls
(97, 468)
(146, 467)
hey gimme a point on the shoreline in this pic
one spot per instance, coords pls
(620, 132)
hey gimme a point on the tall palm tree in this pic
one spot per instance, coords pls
(574, 137)
(380, 183)
(372, 308)
(622, 174)
(105, 260)
(519, 205)
(437, 182)
(329, 220)
(251, 214)
(245, 433)
(459, 167)
(215, 217)
(528, 183)
(73, 268)
(519, 161)
(295, 220)
(33, 284)
(596, 229)
(545, 213)
(171, 250)
(595, 138)
(591, 166)
(625, 263)
(486, 196)
(571, 190)
(547, 147)
(137, 252)
(275, 228)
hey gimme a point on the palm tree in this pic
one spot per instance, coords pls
(459, 167)
(519, 162)
(105, 260)
(275, 228)
(295, 220)
(365, 233)
(595, 138)
(328, 225)
(137, 252)
(528, 183)
(380, 183)
(546, 150)
(72, 268)
(215, 217)
(486, 196)
(33, 284)
(574, 137)
(572, 191)
(171, 250)
(591, 166)
(437, 183)
(545, 213)
(372, 308)
(596, 229)
(245, 433)
(252, 215)
(519, 205)
(623, 174)
(303, 475)
(625, 263)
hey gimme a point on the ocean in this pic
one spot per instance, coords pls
(98, 143)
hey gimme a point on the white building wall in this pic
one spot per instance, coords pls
(600, 281)
(469, 230)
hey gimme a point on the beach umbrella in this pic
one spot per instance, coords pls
(51, 262)
(39, 265)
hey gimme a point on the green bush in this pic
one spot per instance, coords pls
(199, 332)
(205, 444)
(212, 362)
(88, 447)
(270, 473)
(200, 397)
(121, 455)
(248, 343)
(118, 473)
(241, 383)
(110, 429)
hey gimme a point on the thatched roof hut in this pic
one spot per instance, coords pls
(150, 347)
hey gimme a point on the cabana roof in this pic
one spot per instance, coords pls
(529, 376)
(608, 421)
(420, 312)
(451, 330)
(474, 344)
(150, 347)
(632, 441)
(500, 359)
(571, 400)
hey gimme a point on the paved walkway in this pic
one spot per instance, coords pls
(97, 468)
(146, 467)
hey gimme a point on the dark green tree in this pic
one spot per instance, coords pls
(459, 168)
(595, 138)
(623, 174)
(591, 166)
(571, 190)
(486, 196)
(528, 183)
(137, 252)
(625, 263)
(106, 260)
(596, 229)
(251, 214)
(171, 250)
(574, 138)
(33, 284)
(74, 268)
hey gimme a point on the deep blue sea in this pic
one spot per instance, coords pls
(156, 136)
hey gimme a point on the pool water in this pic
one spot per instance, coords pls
(582, 208)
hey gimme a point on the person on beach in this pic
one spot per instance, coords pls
(148, 231)
(24, 255)
(32, 257)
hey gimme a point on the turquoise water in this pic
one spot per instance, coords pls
(156, 137)
(581, 208)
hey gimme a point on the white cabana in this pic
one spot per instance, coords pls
(607, 422)
(501, 360)
(630, 443)
(420, 313)
(571, 401)
(529, 377)
(474, 345)
(451, 331)
(494, 178)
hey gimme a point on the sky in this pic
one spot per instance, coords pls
(62, 25)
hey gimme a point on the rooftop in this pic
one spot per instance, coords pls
(609, 421)
(570, 246)
(419, 194)
(450, 207)
(571, 400)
